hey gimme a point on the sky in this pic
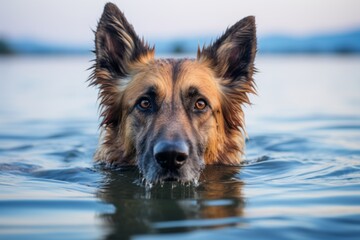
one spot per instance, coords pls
(72, 21)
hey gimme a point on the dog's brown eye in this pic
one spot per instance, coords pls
(200, 104)
(145, 104)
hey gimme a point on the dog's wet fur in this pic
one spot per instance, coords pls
(170, 117)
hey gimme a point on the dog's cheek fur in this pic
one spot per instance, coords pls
(207, 138)
(136, 134)
(215, 142)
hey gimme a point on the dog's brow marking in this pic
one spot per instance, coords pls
(193, 91)
(151, 91)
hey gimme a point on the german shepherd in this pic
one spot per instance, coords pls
(171, 117)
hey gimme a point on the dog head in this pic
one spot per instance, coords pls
(170, 117)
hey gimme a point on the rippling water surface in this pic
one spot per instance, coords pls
(300, 179)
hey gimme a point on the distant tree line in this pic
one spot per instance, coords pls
(5, 48)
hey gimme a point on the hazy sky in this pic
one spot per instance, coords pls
(71, 21)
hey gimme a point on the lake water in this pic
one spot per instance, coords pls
(300, 179)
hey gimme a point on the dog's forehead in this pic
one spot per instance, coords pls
(170, 76)
(179, 73)
(193, 73)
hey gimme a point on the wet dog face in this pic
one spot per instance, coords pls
(171, 117)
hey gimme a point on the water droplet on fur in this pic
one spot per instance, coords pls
(196, 182)
(148, 185)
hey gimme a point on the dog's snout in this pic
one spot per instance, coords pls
(171, 155)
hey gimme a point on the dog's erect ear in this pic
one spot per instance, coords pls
(232, 55)
(116, 46)
(232, 58)
(116, 42)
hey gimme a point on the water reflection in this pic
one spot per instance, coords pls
(172, 207)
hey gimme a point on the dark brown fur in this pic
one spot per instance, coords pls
(127, 72)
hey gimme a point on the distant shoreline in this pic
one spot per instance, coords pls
(335, 43)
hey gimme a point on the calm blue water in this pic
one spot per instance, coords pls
(300, 180)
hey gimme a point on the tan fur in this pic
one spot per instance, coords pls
(224, 145)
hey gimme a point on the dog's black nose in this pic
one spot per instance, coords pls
(171, 155)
